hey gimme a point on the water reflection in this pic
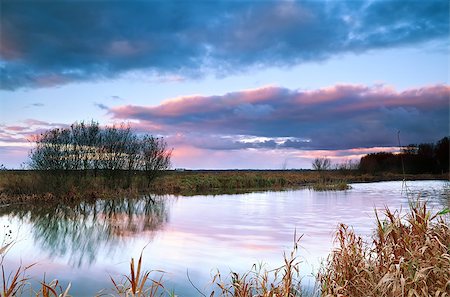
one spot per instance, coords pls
(205, 233)
(80, 231)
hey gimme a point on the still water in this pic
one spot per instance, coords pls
(87, 243)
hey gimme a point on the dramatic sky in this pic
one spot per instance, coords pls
(229, 84)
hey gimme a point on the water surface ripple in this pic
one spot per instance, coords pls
(86, 243)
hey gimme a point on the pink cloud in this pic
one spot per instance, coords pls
(351, 97)
(263, 127)
(35, 122)
(180, 106)
(185, 156)
(15, 128)
(343, 155)
(26, 133)
(336, 117)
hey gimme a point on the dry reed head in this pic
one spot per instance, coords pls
(138, 283)
(51, 289)
(409, 256)
(283, 281)
(15, 283)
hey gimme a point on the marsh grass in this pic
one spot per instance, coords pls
(52, 289)
(28, 186)
(236, 181)
(15, 282)
(409, 256)
(138, 283)
(331, 186)
(23, 186)
(284, 281)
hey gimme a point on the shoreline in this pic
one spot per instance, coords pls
(18, 187)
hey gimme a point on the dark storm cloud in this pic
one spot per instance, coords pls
(337, 117)
(45, 43)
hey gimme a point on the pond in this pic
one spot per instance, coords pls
(87, 243)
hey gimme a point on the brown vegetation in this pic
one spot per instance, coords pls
(199, 182)
(69, 186)
(409, 256)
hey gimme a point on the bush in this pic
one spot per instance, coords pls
(91, 147)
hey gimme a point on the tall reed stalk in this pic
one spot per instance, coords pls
(409, 256)
(283, 281)
(139, 283)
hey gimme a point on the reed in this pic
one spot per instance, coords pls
(283, 281)
(138, 283)
(52, 289)
(14, 283)
(71, 186)
(409, 256)
(331, 186)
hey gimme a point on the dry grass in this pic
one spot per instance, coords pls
(139, 283)
(409, 256)
(18, 187)
(331, 186)
(283, 281)
(72, 186)
(206, 182)
(16, 283)
(52, 289)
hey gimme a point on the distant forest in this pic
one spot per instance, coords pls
(413, 159)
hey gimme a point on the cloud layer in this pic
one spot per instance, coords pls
(339, 117)
(16, 140)
(269, 126)
(45, 43)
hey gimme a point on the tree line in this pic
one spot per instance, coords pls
(413, 159)
(89, 147)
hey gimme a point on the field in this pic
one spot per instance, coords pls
(53, 186)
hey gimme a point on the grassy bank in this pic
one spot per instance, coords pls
(408, 256)
(232, 181)
(67, 186)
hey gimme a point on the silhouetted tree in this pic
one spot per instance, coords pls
(382, 161)
(155, 156)
(90, 147)
(347, 165)
(321, 164)
(442, 155)
(421, 158)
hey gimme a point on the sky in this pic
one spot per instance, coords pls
(229, 84)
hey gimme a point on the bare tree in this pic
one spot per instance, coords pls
(155, 156)
(347, 165)
(321, 164)
(90, 147)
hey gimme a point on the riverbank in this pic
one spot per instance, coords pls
(33, 186)
(235, 181)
